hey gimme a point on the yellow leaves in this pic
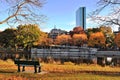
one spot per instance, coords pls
(106, 29)
(79, 39)
(78, 30)
(97, 38)
(117, 39)
(63, 39)
(46, 42)
(80, 36)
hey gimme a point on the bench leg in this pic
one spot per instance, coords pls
(35, 68)
(18, 68)
(23, 68)
(39, 70)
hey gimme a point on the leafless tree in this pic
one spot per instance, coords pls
(21, 11)
(113, 16)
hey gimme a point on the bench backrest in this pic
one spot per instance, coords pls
(27, 62)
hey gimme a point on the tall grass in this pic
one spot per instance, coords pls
(69, 68)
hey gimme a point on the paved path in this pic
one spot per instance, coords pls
(32, 71)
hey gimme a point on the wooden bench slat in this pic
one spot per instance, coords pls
(27, 62)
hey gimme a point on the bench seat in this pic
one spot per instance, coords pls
(24, 63)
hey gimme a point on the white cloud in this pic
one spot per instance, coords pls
(90, 23)
(72, 23)
(97, 23)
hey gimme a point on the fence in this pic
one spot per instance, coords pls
(66, 52)
(77, 53)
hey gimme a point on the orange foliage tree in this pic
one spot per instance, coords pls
(77, 30)
(117, 40)
(63, 40)
(79, 39)
(46, 42)
(97, 40)
(108, 33)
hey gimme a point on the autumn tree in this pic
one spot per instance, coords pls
(21, 11)
(77, 30)
(45, 41)
(89, 31)
(63, 40)
(97, 40)
(107, 31)
(117, 40)
(28, 35)
(79, 39)
(8, 37)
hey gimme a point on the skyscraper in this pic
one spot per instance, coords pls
(81, 17)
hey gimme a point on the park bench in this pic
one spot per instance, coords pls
(23, 63)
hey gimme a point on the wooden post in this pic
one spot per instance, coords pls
(23, 68)
(18, 67)
(39, 70)
(35, 68)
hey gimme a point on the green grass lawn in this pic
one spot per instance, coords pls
(8, 71)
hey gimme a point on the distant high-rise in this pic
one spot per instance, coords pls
(81, 17)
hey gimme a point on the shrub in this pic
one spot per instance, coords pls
(68, 63)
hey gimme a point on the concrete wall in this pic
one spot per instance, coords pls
(73, 53)
(77, 53)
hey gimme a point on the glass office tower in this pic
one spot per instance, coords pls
(81, 17)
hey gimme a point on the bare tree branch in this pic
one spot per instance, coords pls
(113, 16)
(21, 11)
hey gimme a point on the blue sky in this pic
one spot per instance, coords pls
(61, 13)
